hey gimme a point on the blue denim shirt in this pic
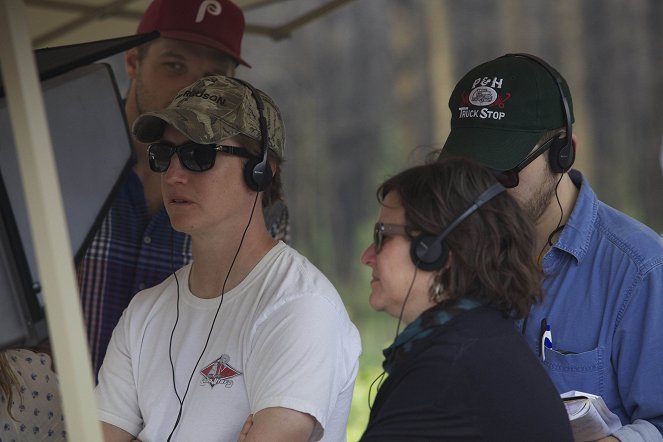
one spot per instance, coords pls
(604, 304)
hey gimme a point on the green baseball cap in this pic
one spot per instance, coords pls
(501, 109)
(213, 109)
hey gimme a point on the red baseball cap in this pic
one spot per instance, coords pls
(215, 23)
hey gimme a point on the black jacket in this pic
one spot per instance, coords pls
(473, 378)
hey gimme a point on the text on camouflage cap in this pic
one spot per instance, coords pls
(214, 109)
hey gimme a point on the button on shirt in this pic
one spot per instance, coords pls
(130, 252)
(604, 304)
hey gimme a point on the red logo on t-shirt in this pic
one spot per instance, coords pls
(219, 372)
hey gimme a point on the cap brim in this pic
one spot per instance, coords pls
(199, 39)
(149, 127)
(497, 149)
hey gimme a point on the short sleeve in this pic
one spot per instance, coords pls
(117, 397)
(303, 355)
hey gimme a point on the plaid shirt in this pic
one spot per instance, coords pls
(130, 252)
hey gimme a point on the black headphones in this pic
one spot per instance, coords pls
(429, 252)
(257, 171)
(561, 153)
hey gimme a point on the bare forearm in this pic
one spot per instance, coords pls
(115, 434)
(278, 425)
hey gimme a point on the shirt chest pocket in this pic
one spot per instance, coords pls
(584, 371)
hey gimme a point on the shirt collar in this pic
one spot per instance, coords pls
(576, 236)
(421, 327)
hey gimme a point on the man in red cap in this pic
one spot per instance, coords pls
(136, 247)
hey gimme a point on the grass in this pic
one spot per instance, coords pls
(376, 334)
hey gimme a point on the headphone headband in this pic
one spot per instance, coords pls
(561, 153)
(482, 199)
(430, 252)
(258, 173)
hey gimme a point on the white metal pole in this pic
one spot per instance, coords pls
(47, 222)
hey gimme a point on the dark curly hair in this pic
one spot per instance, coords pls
(491, 251)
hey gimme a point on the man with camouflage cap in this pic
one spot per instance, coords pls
(250, 326)
(135, 247)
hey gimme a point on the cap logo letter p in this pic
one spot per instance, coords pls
(211, 6)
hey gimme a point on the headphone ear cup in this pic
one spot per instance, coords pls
(428, 252)
(561, 155)
(257, 174)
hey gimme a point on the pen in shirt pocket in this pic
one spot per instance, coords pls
(546, 338)
(546, 341)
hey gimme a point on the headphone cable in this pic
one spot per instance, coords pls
(218, 309)
(380, 377)
(557, 229)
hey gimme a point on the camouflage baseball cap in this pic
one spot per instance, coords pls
(213, 109)
(502, 108)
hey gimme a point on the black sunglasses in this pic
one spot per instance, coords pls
(509, 178)
(381, 230)
(193, 156)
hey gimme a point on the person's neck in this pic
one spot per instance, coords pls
(550, 220)
(214, 260)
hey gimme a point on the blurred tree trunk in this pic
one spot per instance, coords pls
(648, 180)
(568, 30)
(441, 67)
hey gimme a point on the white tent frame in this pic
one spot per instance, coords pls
(84, 14)
(47, 223)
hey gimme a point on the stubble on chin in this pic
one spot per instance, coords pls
(541, 198)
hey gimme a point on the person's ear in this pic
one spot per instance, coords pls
(450, 260)
(131, 62)
(232, 72)
(272, 164)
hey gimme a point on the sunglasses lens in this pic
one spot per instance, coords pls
(377, 237)
(159, 156)
(508, 178)
(194, 157)
(197, 157)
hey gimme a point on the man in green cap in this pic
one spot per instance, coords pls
(598, 329)
(250, 327)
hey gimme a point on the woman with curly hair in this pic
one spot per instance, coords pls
(452, 260)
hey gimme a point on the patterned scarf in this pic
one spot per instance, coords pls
(422, 327)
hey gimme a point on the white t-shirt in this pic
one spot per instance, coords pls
(282, 338)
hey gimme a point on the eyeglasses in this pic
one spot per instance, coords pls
(193, 156)
(381, 230)
(509, 178)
